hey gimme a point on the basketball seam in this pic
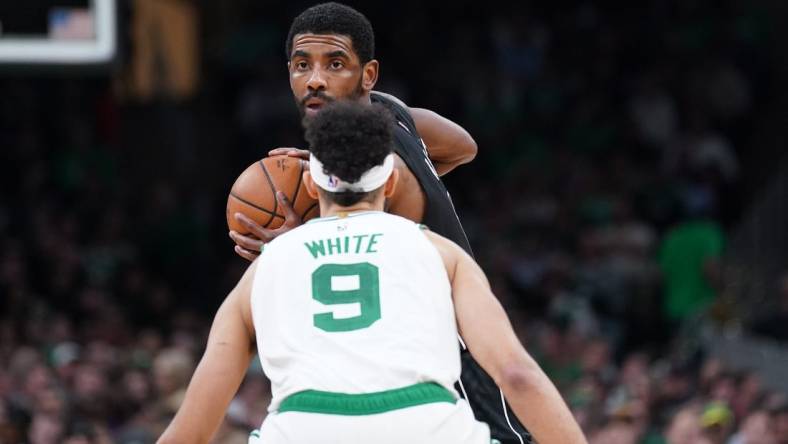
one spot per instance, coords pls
(273, 190)
(251, 204)
(308, 210)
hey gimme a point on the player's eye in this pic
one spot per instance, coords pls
(337, 64)
(301, 66)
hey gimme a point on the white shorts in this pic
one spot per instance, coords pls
(434, 423)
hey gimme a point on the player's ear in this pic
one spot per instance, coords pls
(369, 76)
(391, 183)
(311, 188)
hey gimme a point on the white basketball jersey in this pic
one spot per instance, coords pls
(354, 304)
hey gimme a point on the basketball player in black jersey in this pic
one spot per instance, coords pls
(330, 50)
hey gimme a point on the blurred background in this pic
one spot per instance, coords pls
(628, 201)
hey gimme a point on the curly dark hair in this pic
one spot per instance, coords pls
(349, 138)
(335, 18)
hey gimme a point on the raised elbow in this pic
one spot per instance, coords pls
(468, 148)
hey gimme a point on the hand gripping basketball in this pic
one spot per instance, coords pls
(249, 246)
(269, 199)
(292, 152)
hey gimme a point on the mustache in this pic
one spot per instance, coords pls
(318, 94)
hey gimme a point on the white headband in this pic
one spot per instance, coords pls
(373, 179)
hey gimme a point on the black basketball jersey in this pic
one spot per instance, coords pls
(477, 387)
(439, 213)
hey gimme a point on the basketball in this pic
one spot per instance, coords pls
(254, 193)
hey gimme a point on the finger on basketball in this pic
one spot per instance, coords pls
(267, 235)
(302, 154)
(290, 214)
(260, 235)
(248, 223)
(246, 254)
(246, 242)
(289, 151)
(280, 151)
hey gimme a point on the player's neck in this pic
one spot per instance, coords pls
(328, 210)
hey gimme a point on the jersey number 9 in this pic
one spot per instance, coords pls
(365, 292)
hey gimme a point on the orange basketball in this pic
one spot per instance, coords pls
(254, 193)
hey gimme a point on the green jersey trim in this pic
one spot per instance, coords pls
(315, 401)
(329, 218)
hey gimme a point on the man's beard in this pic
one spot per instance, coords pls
(319, 94)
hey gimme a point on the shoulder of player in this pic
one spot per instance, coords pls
(436, 238)
(402, 113)
(448, 249)
(414, 113)
(381, 96)
(244, 287)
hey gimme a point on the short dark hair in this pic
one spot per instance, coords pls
(349, 138)
(335, 18)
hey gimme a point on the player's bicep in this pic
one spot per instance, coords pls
(448, 144)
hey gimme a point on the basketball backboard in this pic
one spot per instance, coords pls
(58, 32)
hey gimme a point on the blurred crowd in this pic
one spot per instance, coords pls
(612, 145)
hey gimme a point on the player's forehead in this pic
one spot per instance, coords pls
(321, 45)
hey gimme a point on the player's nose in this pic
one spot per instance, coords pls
(316, 81)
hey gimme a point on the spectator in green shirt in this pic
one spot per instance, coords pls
(690, 259)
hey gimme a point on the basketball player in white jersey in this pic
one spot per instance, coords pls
(355, 317)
